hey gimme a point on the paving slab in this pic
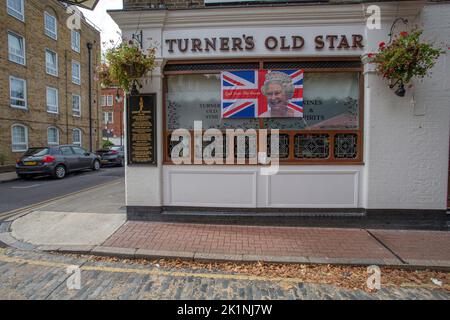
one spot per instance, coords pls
(66, 228)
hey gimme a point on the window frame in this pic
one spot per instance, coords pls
(76, 48)
(57, 100)
(76, 81)
(81, 138)
(13, 12)
(49, 33)
(291, 160)
(79, 106)
(108, 113)
(14, 34)
(53, 144)
(46, 63)
(25, 94)
(109, 98)
(12, 137)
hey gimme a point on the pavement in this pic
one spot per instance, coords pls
(8, 176)
(94, 222)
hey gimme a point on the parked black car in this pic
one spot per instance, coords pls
(114, 155)
(56, 161)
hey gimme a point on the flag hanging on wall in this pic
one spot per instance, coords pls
(262, 94)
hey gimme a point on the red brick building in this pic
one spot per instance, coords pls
(112, 105)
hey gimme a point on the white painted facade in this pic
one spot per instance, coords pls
(406, 140)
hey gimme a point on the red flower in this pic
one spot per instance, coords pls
(382, 44)
(371, 55)
(404, 34)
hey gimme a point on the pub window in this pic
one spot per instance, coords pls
(329, 130)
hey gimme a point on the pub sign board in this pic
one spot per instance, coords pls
(142, 140)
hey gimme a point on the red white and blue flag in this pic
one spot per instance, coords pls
(242, 96)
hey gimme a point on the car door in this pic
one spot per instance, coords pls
(70, 159)
(85, 161)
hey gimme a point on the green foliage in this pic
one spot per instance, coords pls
(406, 57)
(107, 144)
(125, 63)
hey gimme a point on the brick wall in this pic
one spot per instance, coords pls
(36, 118)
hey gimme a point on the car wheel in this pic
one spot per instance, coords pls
(60, 172)
(120, 162)
(96, 165)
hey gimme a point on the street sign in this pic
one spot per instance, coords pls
(88, 4)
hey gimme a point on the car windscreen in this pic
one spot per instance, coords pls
(37, 152)
(116, 148)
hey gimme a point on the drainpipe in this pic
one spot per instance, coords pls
(89, 46)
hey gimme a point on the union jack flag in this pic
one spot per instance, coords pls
(242, 96)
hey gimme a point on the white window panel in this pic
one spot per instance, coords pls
(16, 9)
(16, 48)
(109, 101)
(52, 100)
(76, 105)
(108, 117)
(19, 138)
(51, 62)
(51, 27)
(52, 136)
(76, 73)
(75, 41)
(76, 137)
(18, 93)
(103, 101)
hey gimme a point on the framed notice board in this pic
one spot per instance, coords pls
(142, 140)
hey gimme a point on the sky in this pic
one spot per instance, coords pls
(109, 29)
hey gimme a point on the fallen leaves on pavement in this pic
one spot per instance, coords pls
(349, 277)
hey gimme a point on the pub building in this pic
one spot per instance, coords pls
(353, 150)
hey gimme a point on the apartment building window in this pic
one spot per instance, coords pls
(76, 78)
(76, 105)
(75, 41)
(16, 9)
(19, 138)
(52, 100)
(52, 136)
(109, 101)
(108, 117)
(18, 93)
(16, 48)
(103, 101)
(76, 137)
(51, 28)
(51, 62)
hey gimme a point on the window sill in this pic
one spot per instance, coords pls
(20, 64)
(50, 112)
(18, 107)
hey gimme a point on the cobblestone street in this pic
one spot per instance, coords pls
(33, 275)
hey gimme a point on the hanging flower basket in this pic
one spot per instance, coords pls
(125, 64)
(406, 57)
